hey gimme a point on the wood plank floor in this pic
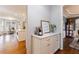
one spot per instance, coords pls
(67, 49)
(21, 49)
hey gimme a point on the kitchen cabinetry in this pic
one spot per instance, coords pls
(46, 44)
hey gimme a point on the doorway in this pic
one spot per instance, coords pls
(11, 40)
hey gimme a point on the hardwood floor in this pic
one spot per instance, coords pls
(67, 49)
(21, 49)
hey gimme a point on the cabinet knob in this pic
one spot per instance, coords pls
(48, 44)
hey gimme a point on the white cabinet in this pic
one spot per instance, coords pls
(46, 44)
(36, 45)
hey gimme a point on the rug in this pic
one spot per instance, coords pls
(74, 44)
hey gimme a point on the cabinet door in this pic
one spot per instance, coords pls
(55, 43)
(44, 45)
(36, 45)
(51, 45)
(48, 45)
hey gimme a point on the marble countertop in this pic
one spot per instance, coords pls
(45, 35)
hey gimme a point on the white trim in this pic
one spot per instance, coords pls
(61, 47)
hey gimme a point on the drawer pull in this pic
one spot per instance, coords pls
(48, 44)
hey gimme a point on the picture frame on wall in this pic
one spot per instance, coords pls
(45, 26)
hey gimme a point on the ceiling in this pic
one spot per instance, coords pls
(13, 10)
(71, 10)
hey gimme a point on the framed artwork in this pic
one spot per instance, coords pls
(45, 26)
